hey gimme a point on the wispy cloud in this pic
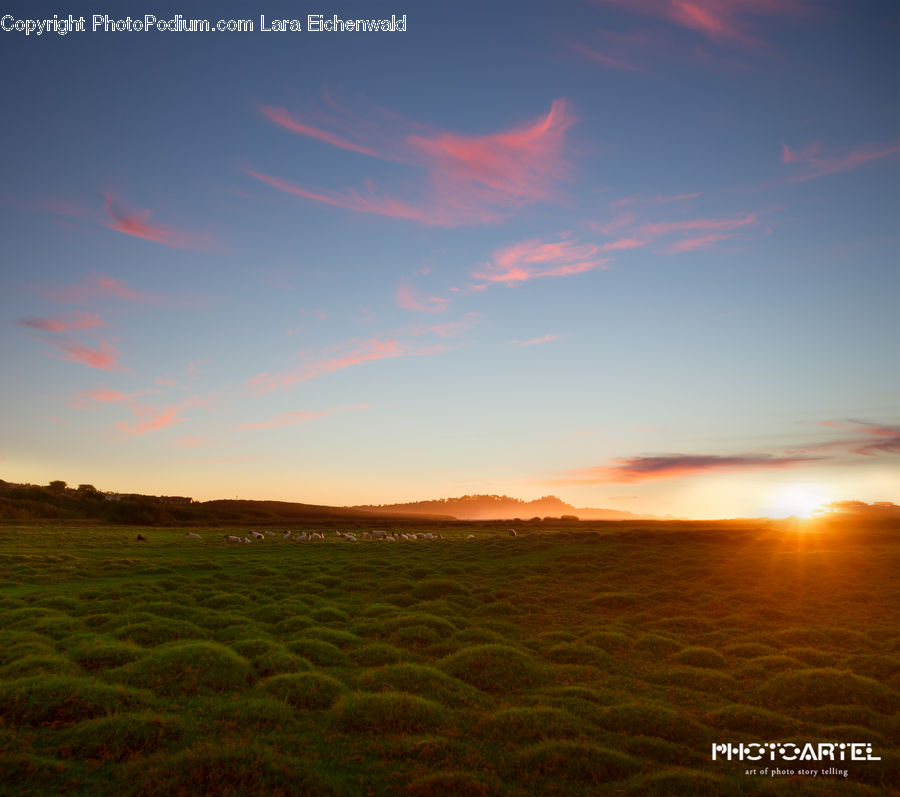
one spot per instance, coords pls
(63, 323)
(283, 118)
(470, 179)
(692, 244)
(105, 357)
(103, 395)
(533, 259)
(152, 419)
(116, 215)
(408, 299)
(726, 22)
(136, 222)
(814, 162)
(337, 358)
(453, 328)
(673, 466)
(536, 341)
(97, 286)
(298, 417)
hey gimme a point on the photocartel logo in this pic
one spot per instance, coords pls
(788, 751)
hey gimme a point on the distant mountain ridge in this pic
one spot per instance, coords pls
(501, 507)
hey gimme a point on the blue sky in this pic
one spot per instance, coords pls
(640, 255)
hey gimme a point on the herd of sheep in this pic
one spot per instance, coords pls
(317, 536)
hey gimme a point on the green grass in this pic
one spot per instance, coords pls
(582, 661)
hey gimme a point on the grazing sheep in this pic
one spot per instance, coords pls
(471, 537)
(248, 541)
(512, 533)
(232, 538)
(257, 536)
(349, 538)
(141, 538)
(191, 536)
(302, 537)
(287, 535)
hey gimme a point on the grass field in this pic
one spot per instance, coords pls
(577, 662)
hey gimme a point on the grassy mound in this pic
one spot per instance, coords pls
(121, 736)
(61, 700)
(100, 652)
(186, 668)
(752, 720)
(39, 664)
(527, 724)
(449, 784)
(310, 690)
(388, 712)
(319, 652)
(226, 770)
(495, 668)
(824, 686)
(683, 781)
(652, 719)
(159, 630)
(421, 680)
(700, 657)
(562, 766)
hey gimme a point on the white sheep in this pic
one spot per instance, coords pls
(232, 538)
(191, 536)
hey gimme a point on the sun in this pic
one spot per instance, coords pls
(797, 500)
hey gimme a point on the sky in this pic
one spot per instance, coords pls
(639, 254)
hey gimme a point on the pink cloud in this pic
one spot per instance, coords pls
(622, 243)
(373, 203)
(674, 466)
(592, 54)
(282, 117)
(815, 163)
(297, 418)
(137, 223)
(65, 323)
(662, 199)
(656, 229)
(97, 286)
(453, 328)
(102, 395)
(722, 21)
(409, 300)
(535, 341)
(533, 259)
(152, 419)
(337, 358)
(104, 358)
(691, 244)
(471, 179)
